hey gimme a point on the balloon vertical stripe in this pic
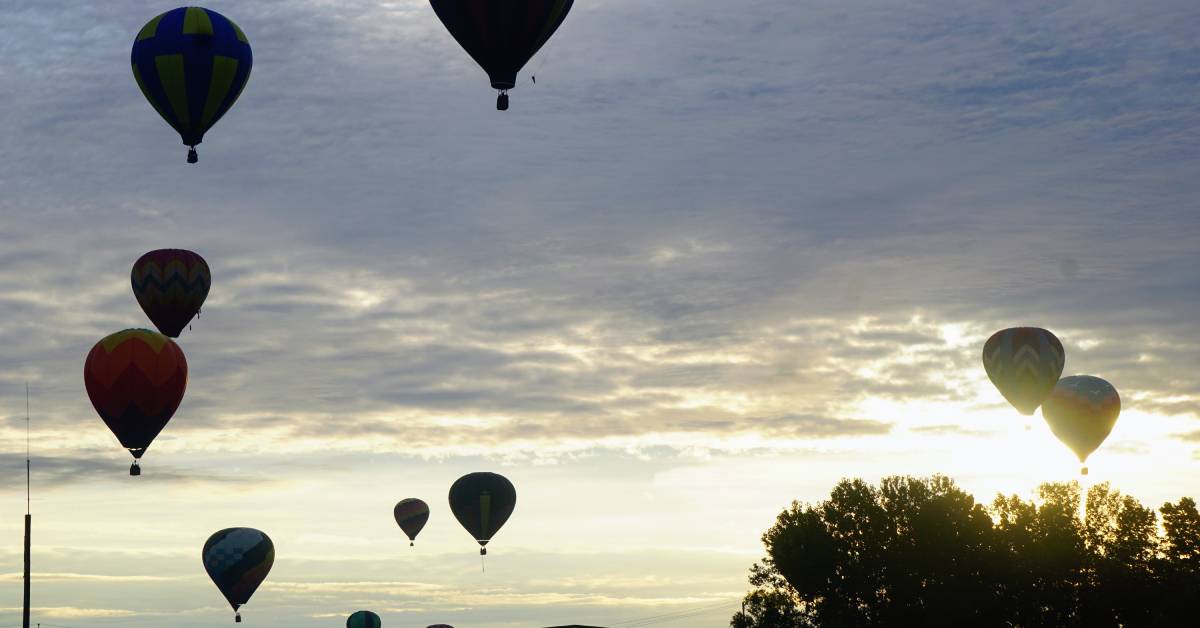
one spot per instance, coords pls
(485, 510)
(150, 29)
(224, 71)
(196, 22)
(173, 79)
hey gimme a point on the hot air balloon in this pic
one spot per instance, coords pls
(482, 502)
(363, 619)
(1081, 412)
(135, 379)
(502, 35)
(238, 560)
(191, 64)
(1024, 363)
(440, 626)
(170, 285)
(411, 514)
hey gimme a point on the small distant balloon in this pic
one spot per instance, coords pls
(482, 502)
(135, 379)
(192, 64)
(170, 285)
(1081, 412)
(1024, 363)
(363, 619)
(238, 560)
(411, 515)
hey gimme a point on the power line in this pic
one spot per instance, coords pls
(672, 616)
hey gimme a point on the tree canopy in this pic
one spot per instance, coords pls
(922, 552)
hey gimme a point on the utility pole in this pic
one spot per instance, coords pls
(28, 516)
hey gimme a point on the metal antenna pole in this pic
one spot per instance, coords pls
(28, 515)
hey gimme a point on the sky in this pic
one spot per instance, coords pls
(720, 256)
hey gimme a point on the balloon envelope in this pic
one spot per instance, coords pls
(170, 285)
(1081, 412)
(238, 560)
(136, 379)
(502, 35)
(482, 502)
(1024, 363)
(191, 64)
(411, 515)
(363, 619)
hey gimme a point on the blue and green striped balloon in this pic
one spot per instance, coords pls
(191, 64)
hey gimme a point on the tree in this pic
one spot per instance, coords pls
(923, 552)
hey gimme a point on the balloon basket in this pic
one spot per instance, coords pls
(134, 469)
(193, 157)
(502, 102)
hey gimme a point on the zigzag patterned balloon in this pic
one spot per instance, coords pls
(1024, 363)
(170, 285)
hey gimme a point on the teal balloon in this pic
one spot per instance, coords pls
(363, 619)
(238, 560)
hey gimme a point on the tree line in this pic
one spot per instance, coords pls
(922, 552)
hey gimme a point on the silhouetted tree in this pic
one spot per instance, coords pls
(1179, 566)
(921, 552)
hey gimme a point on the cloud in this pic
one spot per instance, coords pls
(950, 430)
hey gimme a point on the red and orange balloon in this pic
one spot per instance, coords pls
(136, 379)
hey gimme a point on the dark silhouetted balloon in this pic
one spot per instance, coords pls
(363, 619)
(238, 560)
(170, 285)
(482, 502)
(136, 379)
(191, 64)
(1024, 363)
(1081, 412)
(411, 515)
(502, 35)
